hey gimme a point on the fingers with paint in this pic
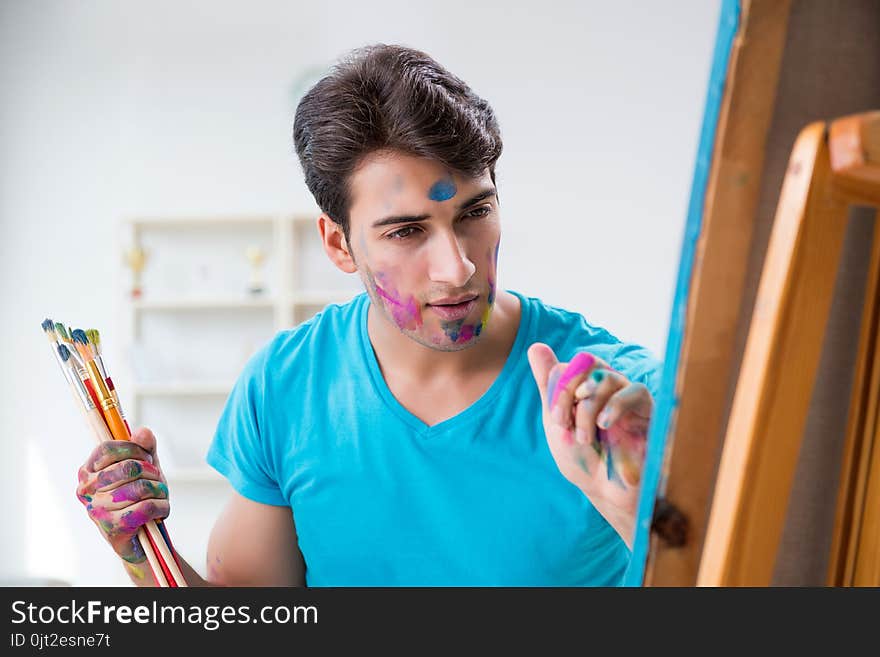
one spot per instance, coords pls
(580, 364)
(122, 490)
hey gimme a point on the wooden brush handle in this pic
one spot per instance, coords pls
(150, 530)
(99, 428)
(165, 551)
(155, 566)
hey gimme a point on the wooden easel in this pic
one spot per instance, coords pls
(792, 63)
(831, 168)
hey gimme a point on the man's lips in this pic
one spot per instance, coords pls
(454, 311)
(453, 301)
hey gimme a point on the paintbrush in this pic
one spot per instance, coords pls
(72, 378)
(93, 415)
(64, 337)
(119, 430)
(64, 357)
(166, 570)
(108, 405)
(81, 371)
(94, 340)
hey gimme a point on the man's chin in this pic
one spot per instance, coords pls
(443, 342)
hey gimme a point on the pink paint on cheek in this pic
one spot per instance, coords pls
(467, 332)
(407, 314)
(581, 363)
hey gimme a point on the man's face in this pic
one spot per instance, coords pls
(425, 242)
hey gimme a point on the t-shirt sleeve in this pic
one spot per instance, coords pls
(239, 449)
(635, 362)
(639, 365)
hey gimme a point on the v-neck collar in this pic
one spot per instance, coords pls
(471, 412)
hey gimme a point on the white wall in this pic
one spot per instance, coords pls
(184, 108)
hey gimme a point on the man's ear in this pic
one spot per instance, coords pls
(335, 245)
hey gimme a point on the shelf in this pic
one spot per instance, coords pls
(197, 324)
(205, 389)
(202, 304)
(201, 222)
(219, 221)
(311, 298)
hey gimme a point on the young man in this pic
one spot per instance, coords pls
(424, 433)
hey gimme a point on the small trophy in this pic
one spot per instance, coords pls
(136, 259)
(256, 256)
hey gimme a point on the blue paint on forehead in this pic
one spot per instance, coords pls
(442, 190)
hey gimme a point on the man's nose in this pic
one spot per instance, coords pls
(449, 262)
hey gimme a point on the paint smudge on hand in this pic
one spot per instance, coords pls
(134, 520)
(581, 363)
(623, 447)
(627, 440)
(123, 540)
(135, 571)
(552, 383)
(122, 471)
(139, 490)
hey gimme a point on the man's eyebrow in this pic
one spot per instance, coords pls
(402, 219)
(481, 196)
(406, 219)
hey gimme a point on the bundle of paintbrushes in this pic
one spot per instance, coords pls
(78, 353)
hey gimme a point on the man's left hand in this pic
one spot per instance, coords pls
(596, 423)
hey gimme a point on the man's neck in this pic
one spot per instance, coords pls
(410, 360)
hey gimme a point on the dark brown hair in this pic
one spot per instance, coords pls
(389, 97)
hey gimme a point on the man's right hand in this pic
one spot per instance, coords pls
(122, 487)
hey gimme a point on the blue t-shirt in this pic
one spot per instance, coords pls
(379, 498)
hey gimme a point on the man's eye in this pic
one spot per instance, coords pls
(403, 233)
(482, 211)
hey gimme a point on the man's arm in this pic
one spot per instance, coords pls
(254, 544)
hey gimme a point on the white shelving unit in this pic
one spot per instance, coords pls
(195, 323)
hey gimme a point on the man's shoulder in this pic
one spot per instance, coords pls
(553, 322)
(568, 332)
(334, 318)
(323, 334)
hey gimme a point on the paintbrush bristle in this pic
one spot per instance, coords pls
(64, 352)
(81, 342)
(49, 330)
(84, 353)
(61, 331)
(95, 340)
(79, 336)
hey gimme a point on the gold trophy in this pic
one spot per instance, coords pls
(136, 259)
(256, 256)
